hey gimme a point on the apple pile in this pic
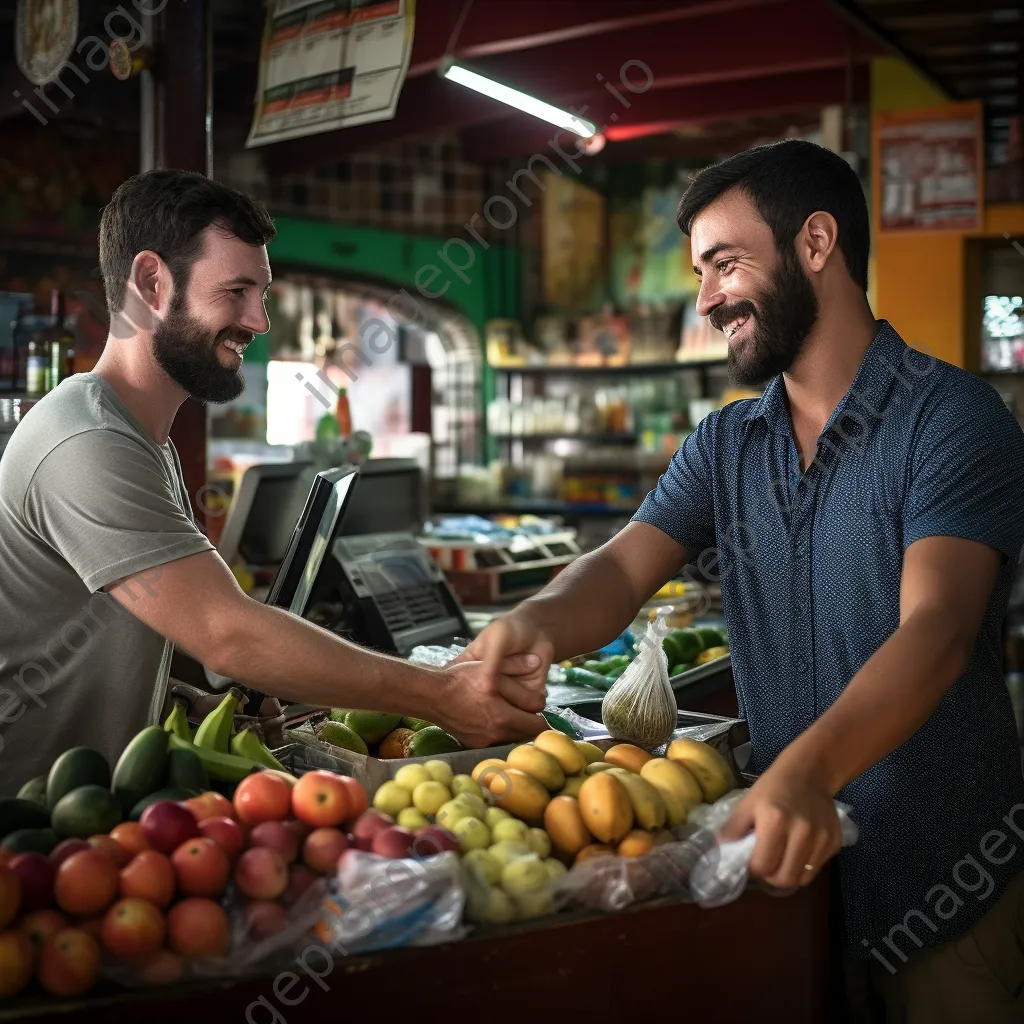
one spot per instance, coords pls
(152, 893)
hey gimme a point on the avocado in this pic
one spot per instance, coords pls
(433, 740)
(340, 735)
(371, 726)
(86, 811)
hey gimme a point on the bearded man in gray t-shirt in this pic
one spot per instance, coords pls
(102, 568)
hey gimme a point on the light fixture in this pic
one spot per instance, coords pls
(515, 98)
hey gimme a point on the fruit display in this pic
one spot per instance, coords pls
(684, 649)
(388, 737)
(84, 886)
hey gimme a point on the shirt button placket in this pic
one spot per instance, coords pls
(804, 703)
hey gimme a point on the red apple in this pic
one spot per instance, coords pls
(36, 874)
(226, 833)
(298, 828)
(167, 824)
(264, 918)
(62, 851)
(133, 929)
(394, 842)
(300, 878)
(433, 839)
(276, 835)
(261, 873)
(322, 848)
(367, 826)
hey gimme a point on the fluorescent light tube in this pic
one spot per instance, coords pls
(520, 100)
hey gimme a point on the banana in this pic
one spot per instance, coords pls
(677, 787)
(178, 724)
(248, 745)
(223, 767)
(706, 764)
(648, 807)
(214, 732)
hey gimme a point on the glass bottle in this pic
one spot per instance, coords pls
(37, 366)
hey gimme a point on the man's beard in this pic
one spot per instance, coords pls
(187, 353)
(779, 325)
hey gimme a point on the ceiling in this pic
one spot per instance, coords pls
(718, 69)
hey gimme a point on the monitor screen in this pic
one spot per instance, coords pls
(389, 499)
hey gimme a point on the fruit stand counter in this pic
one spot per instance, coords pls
(760, 958)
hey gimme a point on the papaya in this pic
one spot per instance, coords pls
(543, 767)
(628, 756)
(79, 766)
(519, 794)
(606, 808)
(565, 827)
(568, 755)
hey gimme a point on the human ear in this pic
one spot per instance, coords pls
(151, 279)
(817, 239)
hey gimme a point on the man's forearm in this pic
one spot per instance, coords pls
(585, 606)
(285, 656)
(884, 704)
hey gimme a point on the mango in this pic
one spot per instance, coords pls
(562, 749)
(707, 766)
(489, 766)
(519, 794)
(564, 824)
(605, 807)
(593, 850)
(572, 786)
(679, 790)
(590, 751)
(543, 767)
(648, 807)
(597, 766)
(628, 756)
(636, 843)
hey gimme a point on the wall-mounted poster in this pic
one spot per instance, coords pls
(329, 64)
(928, 169)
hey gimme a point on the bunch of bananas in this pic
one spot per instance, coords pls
(225, 755)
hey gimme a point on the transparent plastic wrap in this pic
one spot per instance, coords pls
(692, 866)
(383, 903)
(249, 952)
(434, 656)
(518, 886)
(640, 707)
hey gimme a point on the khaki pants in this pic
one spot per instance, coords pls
(976, 978)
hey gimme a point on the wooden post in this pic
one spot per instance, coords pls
(182, 138)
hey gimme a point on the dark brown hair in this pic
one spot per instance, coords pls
(166, 212)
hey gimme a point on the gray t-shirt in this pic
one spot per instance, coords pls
(87, 498)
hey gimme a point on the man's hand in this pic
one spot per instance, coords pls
(481, 707)
(514, 637)
(796, 826)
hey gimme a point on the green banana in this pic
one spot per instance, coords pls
(214, 732)
(220, 766)
(177, 723)
(248, 745)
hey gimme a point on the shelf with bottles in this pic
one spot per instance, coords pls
(37, 351)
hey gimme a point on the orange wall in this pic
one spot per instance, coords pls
(918, 279)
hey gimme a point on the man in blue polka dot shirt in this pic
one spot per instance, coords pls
(865, 516)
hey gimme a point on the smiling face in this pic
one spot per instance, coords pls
(200, 342)
(759, 297)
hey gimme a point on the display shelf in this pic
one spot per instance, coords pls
(569, 369)
(628, 437)
(533, 506)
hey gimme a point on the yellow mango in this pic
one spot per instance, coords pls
(605, 807)
(562, 749)
(543, 767)
(519, 794)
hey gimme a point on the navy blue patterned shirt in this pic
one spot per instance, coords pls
(810, 569)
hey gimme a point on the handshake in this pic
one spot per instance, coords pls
(495, 690)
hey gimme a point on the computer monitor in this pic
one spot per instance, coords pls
(264, 510)
(391, 497)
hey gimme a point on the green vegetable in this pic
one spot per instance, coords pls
(34, 790)
(581, 677)
(79, 766)
(140, 769)
(682, 645)
(600, 667)
(185, 771)
(340, 735)
(433, 740)
(86, 811)
(677, 670)
(710, 637)
(371, 726)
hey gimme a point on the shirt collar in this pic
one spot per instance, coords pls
(878, 369)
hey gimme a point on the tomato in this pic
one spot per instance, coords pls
(133, 929)
(16, 956)
(262, 797)
(210, 805)
(358, 800)
(198, 927)
(112, 848)
(69, 962)
(86, 883)
(226, 833)
(149, 876)
(129, 835)
(10, 895)
(201, 867)
(41, 924)
(319, 799)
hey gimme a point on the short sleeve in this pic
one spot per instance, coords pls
(967, 474)
(682, 503)
(104, 502)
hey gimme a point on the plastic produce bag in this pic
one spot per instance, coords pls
(722, 872)
(387, 903)
(640, 707)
